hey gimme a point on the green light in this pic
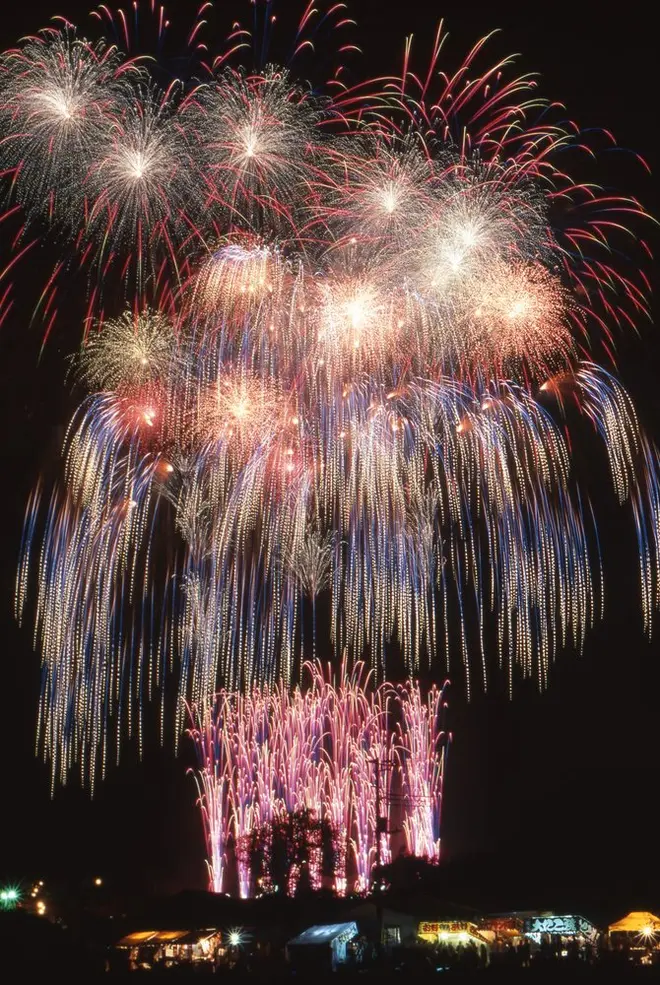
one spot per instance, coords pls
(9, 897)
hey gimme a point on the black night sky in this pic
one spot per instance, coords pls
(548, 798)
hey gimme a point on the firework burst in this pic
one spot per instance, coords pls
(57, 95)
(356, 328)
(128, 353)
(273, 751)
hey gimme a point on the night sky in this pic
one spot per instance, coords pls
(556, 791)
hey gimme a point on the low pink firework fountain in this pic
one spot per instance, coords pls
(366, 761)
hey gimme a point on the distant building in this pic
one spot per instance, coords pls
(394, 926)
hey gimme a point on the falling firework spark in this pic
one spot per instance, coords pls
(356, 330)
(274, 751)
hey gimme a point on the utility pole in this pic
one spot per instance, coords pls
(378, 855)
(381, 829)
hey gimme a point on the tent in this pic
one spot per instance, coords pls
(322, 946)
(637, 922)
(172, 945)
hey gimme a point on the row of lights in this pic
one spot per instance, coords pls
(10, 896)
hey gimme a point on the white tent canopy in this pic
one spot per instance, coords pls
(326, 934)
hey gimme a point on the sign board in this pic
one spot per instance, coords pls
(445, 927)
(502, 924)
(563, 926)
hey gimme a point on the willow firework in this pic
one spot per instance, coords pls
(363, 348)
(273, 753)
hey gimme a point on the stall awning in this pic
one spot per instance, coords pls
(637, 922)
(139, 937)
(165, 937)
(326, 933)
(450, 932)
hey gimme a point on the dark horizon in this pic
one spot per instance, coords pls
(559, 786)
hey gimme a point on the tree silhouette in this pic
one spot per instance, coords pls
(291, 854)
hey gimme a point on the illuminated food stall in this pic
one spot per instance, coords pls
(502, 932)
(560, 930)
(147, 948)
(457, 934)
(638, 932)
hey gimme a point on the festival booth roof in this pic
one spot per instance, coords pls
(452, 932)
(156, 937)
(325, 934)
(637, 922)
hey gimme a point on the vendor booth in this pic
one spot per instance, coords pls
(322, 948)
(638, 934)
(455, 935)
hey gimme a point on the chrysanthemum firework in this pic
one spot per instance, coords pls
(58, 93)
(128, 352)
(371, 322)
